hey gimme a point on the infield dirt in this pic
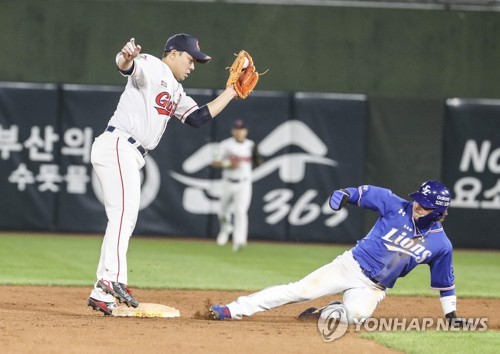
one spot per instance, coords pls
(56, 320)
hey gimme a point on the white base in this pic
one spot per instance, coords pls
(146, 310)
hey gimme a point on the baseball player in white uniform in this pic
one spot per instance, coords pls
(235, 156)
(152, 96)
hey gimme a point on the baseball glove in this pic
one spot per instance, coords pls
(242, 74)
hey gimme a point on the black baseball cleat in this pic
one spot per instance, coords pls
(310, 313)
(118, 290)
(314, 312)
(105, 307)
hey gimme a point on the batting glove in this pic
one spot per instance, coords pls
(339, 199)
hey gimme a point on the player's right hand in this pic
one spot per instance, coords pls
(130, 50)
(339, 199)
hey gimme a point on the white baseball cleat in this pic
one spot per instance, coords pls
(223, 236)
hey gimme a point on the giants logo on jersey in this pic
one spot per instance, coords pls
(165, 104)
(408, 245)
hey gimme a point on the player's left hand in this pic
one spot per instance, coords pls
(243, 75)
(339, 199)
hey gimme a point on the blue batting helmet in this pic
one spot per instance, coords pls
(433, 195)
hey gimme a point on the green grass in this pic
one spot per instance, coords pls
(437, 342)
(158, 263)
(45, 259)
(477, 274)
(191, 264)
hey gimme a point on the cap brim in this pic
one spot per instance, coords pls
(200, 57)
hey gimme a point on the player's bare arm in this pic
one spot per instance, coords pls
(129, 52)
(217, 105)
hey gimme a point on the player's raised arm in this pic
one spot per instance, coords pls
(126, 56)
(218, 104)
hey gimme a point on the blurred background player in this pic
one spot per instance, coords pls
(236, 156)
(152, 96)
(406, 234)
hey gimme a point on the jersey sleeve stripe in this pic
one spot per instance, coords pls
(436, 230)
(360, 190)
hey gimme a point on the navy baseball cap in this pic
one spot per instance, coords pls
(239, 124)
(186, 43)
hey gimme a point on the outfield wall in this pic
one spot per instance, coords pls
(47, 176)
(312, 143)
(408, 61)
(382, 52)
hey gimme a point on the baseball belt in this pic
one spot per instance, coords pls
(130, 139)
(237, 180)
(368, 275)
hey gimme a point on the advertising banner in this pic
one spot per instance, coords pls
(330, 129)
(84, 113)
(30, 151)
(306, 154)
(47, 133)
(262, 114)
(471, 169)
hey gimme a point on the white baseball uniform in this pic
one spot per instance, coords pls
(236, 190)
(151, 97)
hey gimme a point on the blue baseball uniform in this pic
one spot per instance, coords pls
(406, 234)
(394, 246)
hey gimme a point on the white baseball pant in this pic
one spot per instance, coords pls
(117, 164)
(343, 274)
(236, 198)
